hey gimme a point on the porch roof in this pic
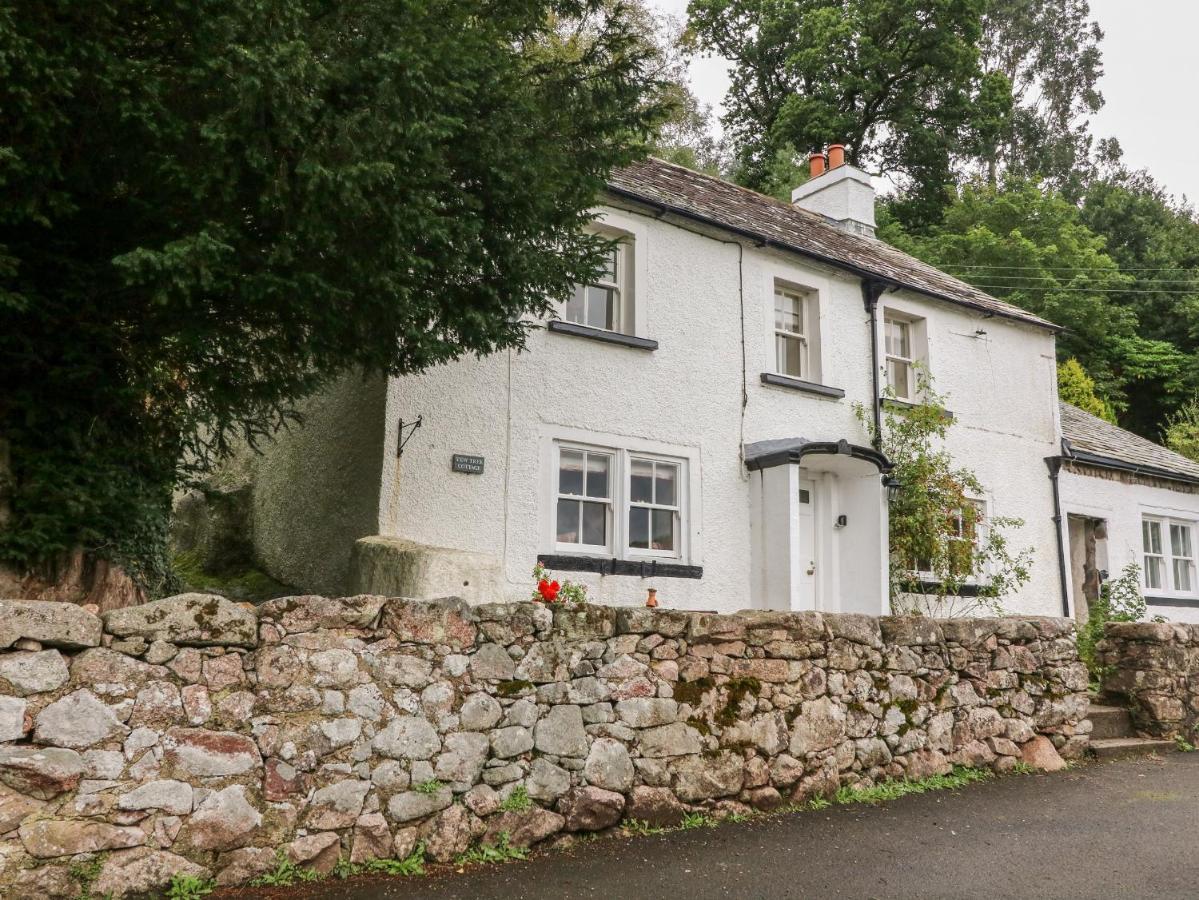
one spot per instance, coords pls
(1089, 439)
(781, 451)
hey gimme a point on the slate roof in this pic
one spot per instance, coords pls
(1086, 436)
(728, 206)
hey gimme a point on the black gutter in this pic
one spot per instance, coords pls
(871, 291)
(1055, 466)
(844, 448)
(866, 274)
(1119, 465)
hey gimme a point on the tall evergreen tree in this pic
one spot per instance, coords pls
(210, 209)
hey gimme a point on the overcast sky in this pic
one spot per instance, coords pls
(1150, 83)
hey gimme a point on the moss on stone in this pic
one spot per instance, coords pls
(513, 687)
(247, 583)
(692, 692)
(738, 689)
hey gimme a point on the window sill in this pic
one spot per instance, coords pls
(1192, 602)
(893, 403)
(599, 334)
(648, 568)
(807, 387)
(932, 586)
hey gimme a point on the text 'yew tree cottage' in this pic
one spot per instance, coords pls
(696, 420)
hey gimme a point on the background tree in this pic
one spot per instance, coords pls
(1026, 244)
(1076, 387)
(209, 210)
(1048, 52)
(1182, 430)
(897, 81)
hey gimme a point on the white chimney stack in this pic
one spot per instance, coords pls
(843, 193)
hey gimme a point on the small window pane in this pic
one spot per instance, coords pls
(899, 378)
(639, 527)
(898, 338)
(641, 481)
(610, 266)
(597, 475)
(574, 311)
(595, 530)
(1152, 535)
(1180, 540)
(1153, 572)
(664, 480)
(1182, 575)
(663, 536)
(601, 307)
(568, 521)
(788, 313)
(570, 472)
(791, 354)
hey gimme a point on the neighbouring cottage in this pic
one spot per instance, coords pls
(687, 423)
(1127, 500)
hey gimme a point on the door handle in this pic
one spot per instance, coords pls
(812, 568)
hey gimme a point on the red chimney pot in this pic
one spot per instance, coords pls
(817, 162)
(836, 156)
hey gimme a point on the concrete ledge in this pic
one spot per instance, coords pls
(393, 567)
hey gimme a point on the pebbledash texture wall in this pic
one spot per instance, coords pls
(195, 735)
(1153, 668)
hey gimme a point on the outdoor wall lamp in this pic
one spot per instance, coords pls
(892, 484)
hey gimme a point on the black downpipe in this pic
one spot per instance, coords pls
(1055, 467)
(871, 291)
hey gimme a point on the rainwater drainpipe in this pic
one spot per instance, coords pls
(871, 291)
(1055, 467)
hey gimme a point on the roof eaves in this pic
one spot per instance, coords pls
(764, 241)
(1120, 465)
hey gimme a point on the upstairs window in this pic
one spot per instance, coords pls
(898, 342)
(791, 328)
(600, 304)
(1169, 555)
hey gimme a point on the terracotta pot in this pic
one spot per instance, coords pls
(651, 597)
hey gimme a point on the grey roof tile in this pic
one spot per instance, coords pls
(1091, 434)
(730, 206)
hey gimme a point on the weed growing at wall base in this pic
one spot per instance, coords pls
(189, 887)
(893, 790)
(501, 851)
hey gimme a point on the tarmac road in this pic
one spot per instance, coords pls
(1113, 830)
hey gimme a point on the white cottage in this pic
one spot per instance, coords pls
(1127, 500)
(687, 423)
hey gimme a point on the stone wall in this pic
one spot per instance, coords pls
(1153, 669)
(197, 735)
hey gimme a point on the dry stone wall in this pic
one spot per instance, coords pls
(196, 735)
(1153, 669)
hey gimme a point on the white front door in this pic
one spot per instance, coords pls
(807, 544)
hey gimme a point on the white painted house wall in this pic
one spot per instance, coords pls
(1123, 504)
(685, 399)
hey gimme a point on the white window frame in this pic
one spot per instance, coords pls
(909, 362)
(623, 451)
(804, 299)
(676, 509)
(1169, 586)
(609, 502)
(620, 257)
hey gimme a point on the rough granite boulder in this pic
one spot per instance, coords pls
(197, 620)
(142, 872)
(53, 624)
(78, 721)
(23, 674)
(51, 838)
(590, 809)
(40, 772)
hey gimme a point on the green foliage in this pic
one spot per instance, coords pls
(897, 81)
(1120, 600)
(641, 827)
(86, 872)
(411, 865)
(696, 820)
(286, 873)
(517, 801)
(893, 790)
(1027, 245)
(1076, 387)
(1022, 768)
(189, 887)
(818, 803)
(502, 851)
(1183, 745)
(210, 212)
(938, 538)
(1182, 430)
(432, 786)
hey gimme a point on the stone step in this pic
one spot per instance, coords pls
(1110, 722)
(1115, 748)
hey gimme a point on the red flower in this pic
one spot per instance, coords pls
(548, 590)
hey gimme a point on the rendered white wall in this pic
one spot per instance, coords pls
(688, 395)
